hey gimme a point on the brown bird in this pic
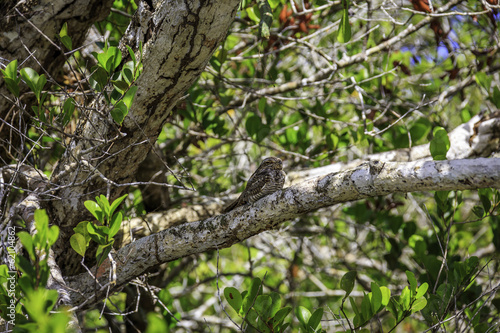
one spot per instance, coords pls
(268, 178)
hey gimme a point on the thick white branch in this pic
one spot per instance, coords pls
(368, 180)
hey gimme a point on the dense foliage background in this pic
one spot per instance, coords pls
(312, 97)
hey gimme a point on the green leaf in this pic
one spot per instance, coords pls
(81, 228)
(478, 211)
(250, 297)
(366, 309)
(418, 305)
(263, 306)
(347, 282)
(128, 98)
(132, 55)
(405, 298)
(253, 14)
(27, 242)
(376, 299)
(10, 70)
(484, 196)
(68, 109)
(95, 209)
(78, 243)
(276, 303)
(233, 297)
(52, 235)
(119, 112)
(99, 78)
(412, 281)
(120, 85)
(128, 72)
(354, 307)
(42, 226)
(332, 141)
(386, 295)
(344, 33)
(34, 81)
(115, 58)
(303, 315)
(280, 316)
(253, 125)
(422, 290)
(10, 77)
(484, 80)
(102, 252)
(440, 144)
(98, 233)
(65, 39)
(315, 320)
(12, 85)
(495, 97)
(114, 225)
(116, 203)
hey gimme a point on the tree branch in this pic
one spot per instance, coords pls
(368, 180)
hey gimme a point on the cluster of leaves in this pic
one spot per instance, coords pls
(33, 303)
(36, 83)
(107, 226)
(262, 313)
(104, 73)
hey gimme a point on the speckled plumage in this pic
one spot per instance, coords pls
(268, 178)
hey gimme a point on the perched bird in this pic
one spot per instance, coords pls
(268, 178)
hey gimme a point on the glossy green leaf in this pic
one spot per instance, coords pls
(250, 297)
(376, 297)
(10, 77)
(495, 97)
(78, 243)
(99, 78)
(114, 225)
(263, 306)
(27, 242)
(347, 282)
(119, 112)
(103, 252)
(233, 297)
(95, 209)
(81, 228)
(98, 233)
(386, 295)
(405, 299)
(253, 14)
(315, 320)
(65, 39)
(418, 305)
(128, 98)
(116, 203)
(303, 315)
(422, 290)
(52, 235)
(280, 316)
(412, 281)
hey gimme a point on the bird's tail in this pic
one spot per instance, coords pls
(232, 206)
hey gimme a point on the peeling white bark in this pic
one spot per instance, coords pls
(368, 180)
